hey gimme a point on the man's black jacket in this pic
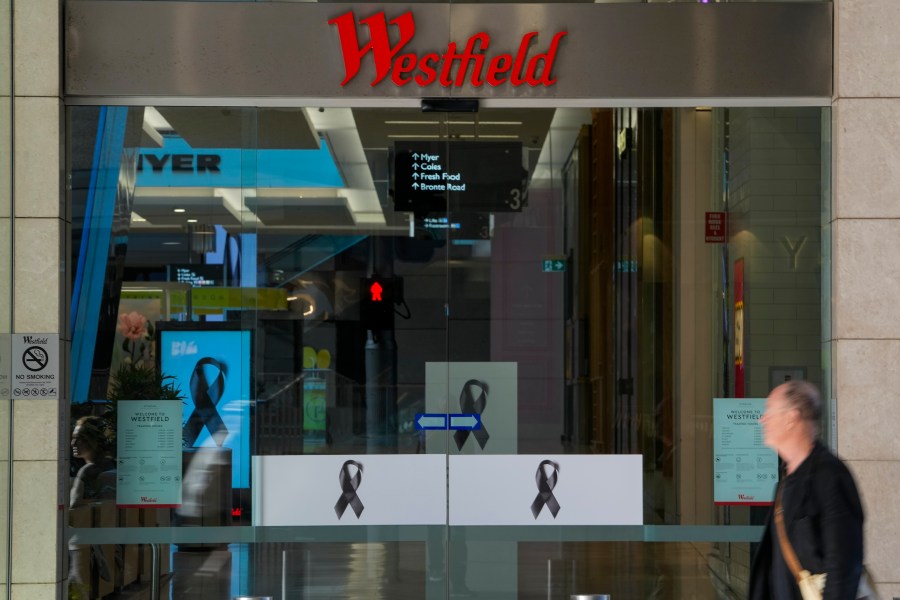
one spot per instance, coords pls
(824, 523)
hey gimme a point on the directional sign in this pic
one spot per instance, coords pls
(432, 421)
(465, 421)
(554, 265)
(472, 176)
(35, 366)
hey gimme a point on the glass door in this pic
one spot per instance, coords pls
(365, 352)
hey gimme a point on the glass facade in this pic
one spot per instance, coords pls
(384, 353)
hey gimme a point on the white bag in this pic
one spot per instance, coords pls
(811, 586)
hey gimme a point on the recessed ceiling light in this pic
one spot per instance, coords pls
(412, 122)
(171, 243)
(192, 220)
(452, 122)
(178, 210)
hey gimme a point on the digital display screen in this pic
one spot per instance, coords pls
(212, 369)
(429, 177)
(196, 275)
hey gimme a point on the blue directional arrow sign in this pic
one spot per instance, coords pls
(465, 421)
(431, 421)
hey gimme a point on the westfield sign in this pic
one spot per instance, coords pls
(454, 67)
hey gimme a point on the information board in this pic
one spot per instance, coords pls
(429, 177)
(148, 462)
(745, 470)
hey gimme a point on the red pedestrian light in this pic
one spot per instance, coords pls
(375, 289)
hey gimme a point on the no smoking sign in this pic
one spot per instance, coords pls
(35, 366)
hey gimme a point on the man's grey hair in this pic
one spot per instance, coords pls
(804, 397)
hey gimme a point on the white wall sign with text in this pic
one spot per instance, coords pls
(745, 471)
(34, 365)
(148, 465)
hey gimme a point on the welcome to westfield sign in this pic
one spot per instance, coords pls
(451, 68)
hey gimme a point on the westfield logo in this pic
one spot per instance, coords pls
(452, 68)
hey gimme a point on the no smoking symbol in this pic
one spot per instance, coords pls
(35, 358)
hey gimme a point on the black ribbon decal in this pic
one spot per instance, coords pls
(349, 485)
(469, 404)
(206, 395)
(545, 487)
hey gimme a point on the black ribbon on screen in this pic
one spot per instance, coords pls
(233, 260)
(349, 485)
(206, 395)
(545, 487)
(468, 403)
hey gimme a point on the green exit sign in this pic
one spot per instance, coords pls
(554, 265)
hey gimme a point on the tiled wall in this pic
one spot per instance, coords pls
(37, 271)
(866, 244)
(774, 203)
(5, 251)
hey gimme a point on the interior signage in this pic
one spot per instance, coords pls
(745, 470)
(452, 67)
(180, 163)
(486, 176)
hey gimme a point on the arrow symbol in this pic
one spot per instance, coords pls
(465, 421)
(431, 421)
(415, 165)
(415, 186)
(559, 265)
(416, 155)
(415, 175)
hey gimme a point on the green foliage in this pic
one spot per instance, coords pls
(131, 382)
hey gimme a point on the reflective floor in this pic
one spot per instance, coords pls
(494, 570)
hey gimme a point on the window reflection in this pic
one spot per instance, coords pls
(349, 284)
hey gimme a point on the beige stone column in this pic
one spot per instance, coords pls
(38, 301)
(866, 267)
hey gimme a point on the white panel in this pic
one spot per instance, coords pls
(401, 489)
(589, 489)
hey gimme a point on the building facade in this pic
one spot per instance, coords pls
(599, 312)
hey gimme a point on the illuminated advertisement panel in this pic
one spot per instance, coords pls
(211, 366)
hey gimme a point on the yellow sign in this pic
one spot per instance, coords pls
(216, 300)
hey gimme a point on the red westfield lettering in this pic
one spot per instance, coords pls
(450, 68)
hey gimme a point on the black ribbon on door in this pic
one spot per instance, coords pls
(545, 485)
(206, 395)
(349, 485)
(468, 403)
